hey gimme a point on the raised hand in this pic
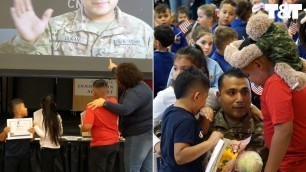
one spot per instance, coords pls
(29, 26)
(111, 65)
(256, 113)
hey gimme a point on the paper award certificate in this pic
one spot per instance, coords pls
(19, 128)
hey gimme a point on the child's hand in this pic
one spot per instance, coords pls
(235, 146)
(215, 137)
(256, 113)
(207, 112)
(31, 130)
(34, 123)
(7, 129)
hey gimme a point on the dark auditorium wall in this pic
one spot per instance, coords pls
(32, 89)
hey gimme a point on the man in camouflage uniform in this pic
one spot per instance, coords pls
(98, 29)
(234, 119)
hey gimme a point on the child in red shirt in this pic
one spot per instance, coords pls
(103, 125)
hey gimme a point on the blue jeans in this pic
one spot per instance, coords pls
(138, 153)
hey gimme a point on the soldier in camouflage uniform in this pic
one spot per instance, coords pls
(78, 33)
(242, 130)
(234, 119)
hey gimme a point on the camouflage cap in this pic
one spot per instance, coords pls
(274, 42)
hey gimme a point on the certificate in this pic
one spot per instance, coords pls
(19, 128)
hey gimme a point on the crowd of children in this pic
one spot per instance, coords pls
(213, 34)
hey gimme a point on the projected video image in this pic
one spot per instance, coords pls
(92, 28)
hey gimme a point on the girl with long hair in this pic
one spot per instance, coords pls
(48, 125)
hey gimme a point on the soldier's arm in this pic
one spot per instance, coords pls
(6, 48)
(42, 46)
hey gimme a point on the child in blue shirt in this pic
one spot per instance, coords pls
(162, 16)
(182, 144)
(17, 152)
(163, 59)
(226, 16)
(223, 36)
(243, 12)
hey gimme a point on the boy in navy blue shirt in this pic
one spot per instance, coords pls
(162, 15)
(163, 59)
(226, 14)
(182, 144)
(17, 152)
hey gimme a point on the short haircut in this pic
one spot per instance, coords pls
(210, 11)
(13, 104)
(183, 10)
(231, 2)
(200, 31)
(190, 79)
(161, 8)
(164, 34)
(99, 83)
(244, 9)
(222, 35)
(233, 72)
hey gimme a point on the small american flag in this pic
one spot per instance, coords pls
(257, 89)
(293, 27)
(185, 26)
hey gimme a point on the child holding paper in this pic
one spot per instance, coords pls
(17, 152)
(182, 144)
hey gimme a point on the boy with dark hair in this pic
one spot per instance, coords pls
(226, 14)
(163, 59)
(223, 36)
(162, 15)
(103, 125)
(182, 14)
(182, 144)
(17, 152)
(243, 12)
